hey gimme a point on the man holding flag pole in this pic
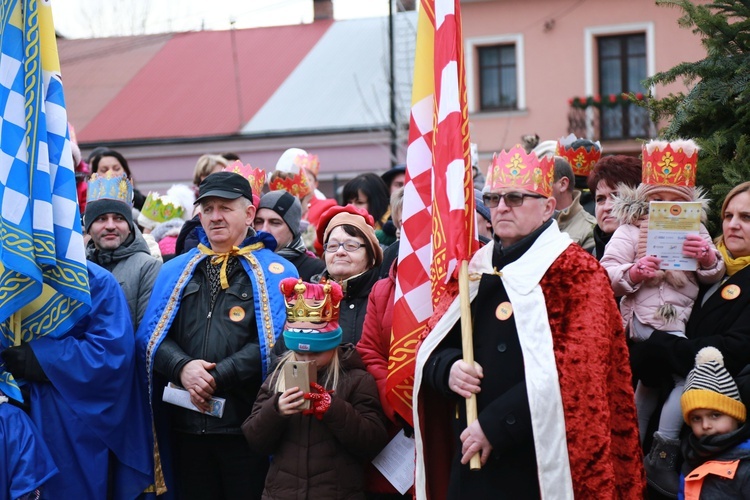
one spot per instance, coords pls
(67, 349)
(555, 406)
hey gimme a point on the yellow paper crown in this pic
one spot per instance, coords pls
(521, 170)
(670, 163)
(161, 208)
(311, 302)
(255, 176)
(110, 187)
(581, 160)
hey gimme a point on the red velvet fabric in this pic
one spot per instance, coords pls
(595, 384)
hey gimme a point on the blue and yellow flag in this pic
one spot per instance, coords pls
(43, 279)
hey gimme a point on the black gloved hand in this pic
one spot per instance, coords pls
(22, 363)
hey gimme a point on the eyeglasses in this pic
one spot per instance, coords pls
(512, 199)
(349, 246)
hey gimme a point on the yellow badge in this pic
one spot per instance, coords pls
(276, 268)
(236, 313)
(730, 292)
(504, 311)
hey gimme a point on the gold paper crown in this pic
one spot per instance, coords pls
(521, 170)
(295, 184)
(310, 302)
(110, 187)
(581, 160)
(670, 164)
(255, 176)
(161, 208)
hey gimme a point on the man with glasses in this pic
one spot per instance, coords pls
(556, 417)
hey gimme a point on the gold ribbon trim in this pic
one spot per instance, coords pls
(223, 257)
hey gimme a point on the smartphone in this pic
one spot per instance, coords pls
(300, 374)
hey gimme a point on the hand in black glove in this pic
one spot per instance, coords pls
(22, 363)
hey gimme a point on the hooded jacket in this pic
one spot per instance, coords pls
(133, 267)
(665, 301)
(320, 458)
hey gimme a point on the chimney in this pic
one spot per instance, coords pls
(406, 5)
(322, 10)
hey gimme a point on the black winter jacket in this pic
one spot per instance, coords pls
(213, 335)
(354, 303)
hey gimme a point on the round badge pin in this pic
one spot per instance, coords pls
(504, 311)
(276, 268)
(236, 313)
(730, 292)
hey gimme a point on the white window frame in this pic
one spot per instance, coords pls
(471, 61)
(589, 44)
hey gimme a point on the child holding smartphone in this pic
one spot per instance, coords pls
(320, 450)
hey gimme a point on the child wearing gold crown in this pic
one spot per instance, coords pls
(317, 452)
(654, 299)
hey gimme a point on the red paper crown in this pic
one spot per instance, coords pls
(308, 162)
(670, 164)
(521, 170)
(255, 176)
(295, 184)
(581, 160)
(311, 302)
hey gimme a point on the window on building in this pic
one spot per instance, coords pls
(622, 69)
(498, 77)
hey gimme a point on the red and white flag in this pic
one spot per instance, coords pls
(438, 213)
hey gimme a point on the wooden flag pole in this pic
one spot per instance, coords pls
(467, 344)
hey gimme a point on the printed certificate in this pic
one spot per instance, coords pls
(669, 222)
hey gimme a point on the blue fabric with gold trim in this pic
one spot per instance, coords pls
(265, 268)
(93, 415)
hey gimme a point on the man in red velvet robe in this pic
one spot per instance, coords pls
(556, 416)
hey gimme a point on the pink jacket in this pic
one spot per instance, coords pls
(646, 299)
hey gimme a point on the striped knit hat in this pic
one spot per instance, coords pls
(709, 386)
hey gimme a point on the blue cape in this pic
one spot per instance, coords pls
(26, 461)
(265, 269)
(94, 410)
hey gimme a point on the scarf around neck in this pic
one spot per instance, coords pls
(734, 264)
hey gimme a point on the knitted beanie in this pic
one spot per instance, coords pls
(286, 205)
(96, 208)
(709, 386)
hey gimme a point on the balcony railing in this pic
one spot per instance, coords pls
(609, 117)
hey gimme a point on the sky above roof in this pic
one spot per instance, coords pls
(95, 18)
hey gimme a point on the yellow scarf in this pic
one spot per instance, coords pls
(223, 258)
(733, 264)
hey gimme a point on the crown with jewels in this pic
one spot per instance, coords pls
(521, 170)
(311, 302)
(255, 176)
(670, 163)
(110, 187)
(581, 158)
(161, 208)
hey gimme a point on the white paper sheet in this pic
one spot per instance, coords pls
(396, 462)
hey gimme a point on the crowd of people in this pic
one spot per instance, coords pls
(238, 342)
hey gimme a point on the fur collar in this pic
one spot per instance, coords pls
(631, 205)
